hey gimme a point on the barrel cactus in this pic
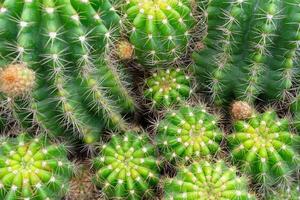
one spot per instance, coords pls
(250, 49)
(291, 193)
(33, 168)
(160, 31)
(166, 88)
(127, 167)
(188, 133)
(265, 149)
(59, 50)
(205, 180)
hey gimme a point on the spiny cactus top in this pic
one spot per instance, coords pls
(207, 181)
(188, 133)
(32, 168)
(167, 87)
(264, 147)
(250, 49)
(66, 43)
(160, 29)
(127, 167)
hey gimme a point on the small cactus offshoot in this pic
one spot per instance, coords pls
(205, 180)
(127, 167)
(241, 110)
(167, 87)
(188, 133)
(16, 80)
(125, 50)
(32, 168)
(264, 148)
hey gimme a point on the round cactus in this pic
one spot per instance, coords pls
(127, 167)
(125, 50)
(160, 30)
(241, 110)
(264, 148)
(32, 168)
(16, 80)
(291, 193)
(189, 133)
(167, 87)
(207, 181)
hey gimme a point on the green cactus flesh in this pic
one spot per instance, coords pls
(127, 167)
(250, 49)
(66, 43)
(265, 149)
(159, 30)
(32, 168)
(207, 181)
(188, 133)
(167, 87)
(291, 193)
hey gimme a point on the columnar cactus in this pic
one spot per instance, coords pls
(205, 180)
(265, 149)
(250, 49)
(188, 133)
(66, 43)
(127, 167)
(33, 168)
(167, 87)
(160, 30)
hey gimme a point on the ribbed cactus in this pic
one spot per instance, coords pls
(188, 133)
(127, 167)
(291, 193)
(66, 43)
(167, 87)
(265, 149)
(160, 30)
(250, 49)
(205, 180)
(33, 168)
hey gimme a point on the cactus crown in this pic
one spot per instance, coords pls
(32, 168)
(167, 87)
(265, 149)
(127, 167)
(160, 30)
(187, 133)
(204, 180)
(16, 80)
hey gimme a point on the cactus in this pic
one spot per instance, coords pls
(33, 168)
(167, 87)
(159, 30)
(250, 49)
(241, 110)
(127, 167)
(292, 193)
(66, 43)
(205, 180)
(265, 149)
(188, 133)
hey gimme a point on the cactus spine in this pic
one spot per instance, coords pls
(250, 49)
(265, 149)
(127, 167)
(66, 44)
(33, 168)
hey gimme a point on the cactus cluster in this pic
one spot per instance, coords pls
(127, 167)
(33, 168)
(188, 133)
(160, 30)
(265, 149)
(205, 180)
(66, 44)
(250, 49)
(167, 87)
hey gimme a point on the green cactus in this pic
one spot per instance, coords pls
(188, 133)
(159, 30)
(33, 168)
(167, 87)
(127, 167)
(265, 149)
(205, 180)
(250, 49)
(291, 193)
(66, 43)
